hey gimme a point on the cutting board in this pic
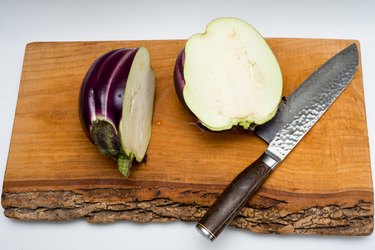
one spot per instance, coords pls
(54, 172)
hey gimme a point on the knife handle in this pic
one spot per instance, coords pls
(235, 196)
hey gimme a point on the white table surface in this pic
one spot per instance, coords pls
(22, 22)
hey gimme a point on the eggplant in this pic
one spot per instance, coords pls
(228, 76)
(116, 102)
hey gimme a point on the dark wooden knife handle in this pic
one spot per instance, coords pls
(233, 198)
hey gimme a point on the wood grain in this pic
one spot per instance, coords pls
(54, 173)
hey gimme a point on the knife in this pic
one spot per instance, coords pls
(294, 118)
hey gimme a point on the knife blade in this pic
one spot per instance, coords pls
(294, 118)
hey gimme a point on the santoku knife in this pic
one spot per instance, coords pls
(293, 120)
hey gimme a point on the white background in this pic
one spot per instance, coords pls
(22, 22)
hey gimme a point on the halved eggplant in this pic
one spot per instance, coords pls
(228, 76)
(116, 104)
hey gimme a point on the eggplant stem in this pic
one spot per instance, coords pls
(124, 164)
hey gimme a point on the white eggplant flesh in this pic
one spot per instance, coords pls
(229, 76)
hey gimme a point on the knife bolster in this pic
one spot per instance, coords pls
(269, 159)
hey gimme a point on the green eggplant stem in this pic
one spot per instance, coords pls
(124, 164)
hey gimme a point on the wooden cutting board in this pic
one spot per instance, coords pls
(54, 173)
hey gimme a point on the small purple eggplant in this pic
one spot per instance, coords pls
(116, 104)
(228, 76)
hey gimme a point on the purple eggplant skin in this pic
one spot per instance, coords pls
(101, 103)
(179, 80)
